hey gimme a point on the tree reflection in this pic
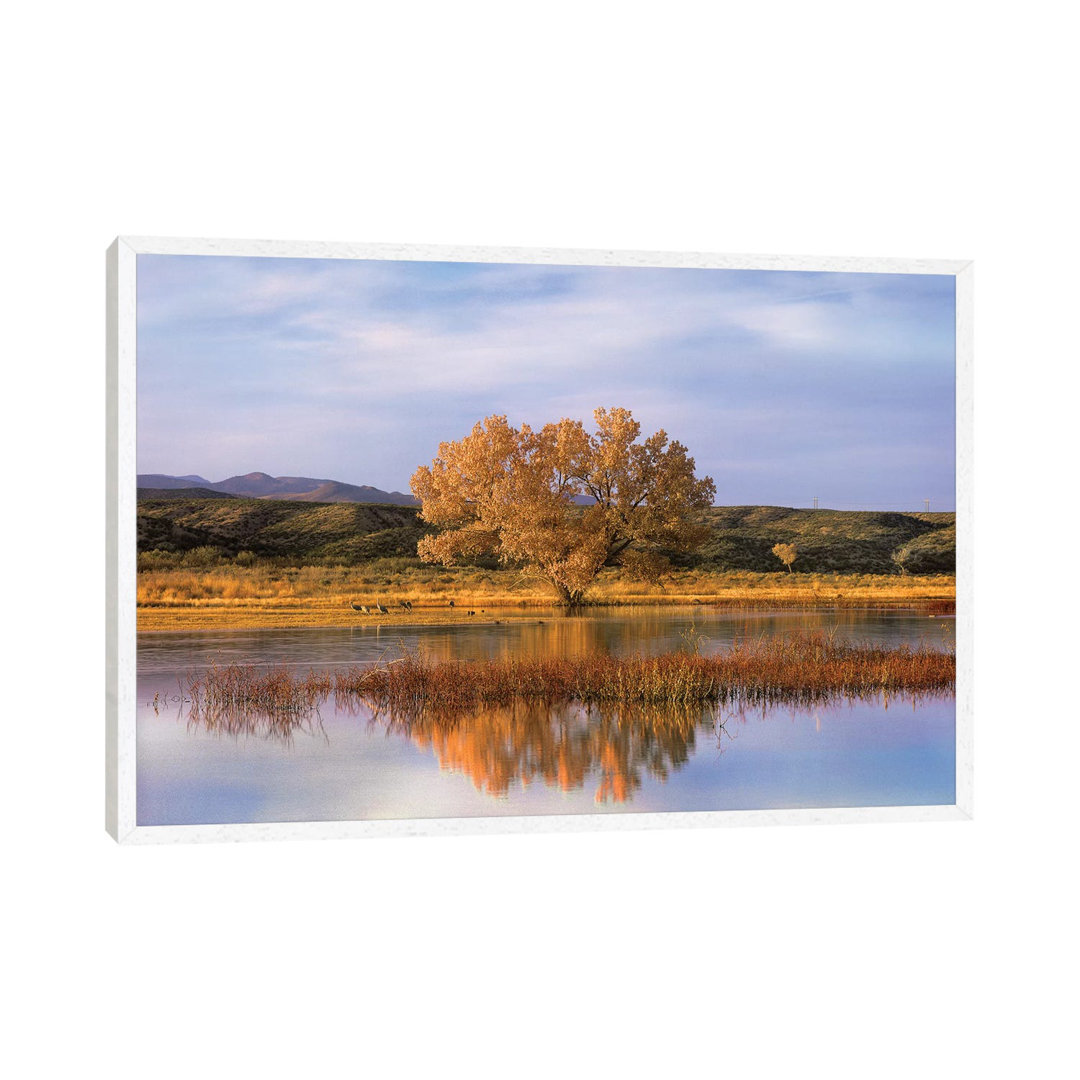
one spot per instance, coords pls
(565, 746)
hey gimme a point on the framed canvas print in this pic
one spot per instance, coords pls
(425, 539)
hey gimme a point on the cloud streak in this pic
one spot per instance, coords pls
(784, 385)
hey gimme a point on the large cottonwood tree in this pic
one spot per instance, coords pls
(513, 493)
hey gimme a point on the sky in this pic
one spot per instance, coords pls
(783, 385)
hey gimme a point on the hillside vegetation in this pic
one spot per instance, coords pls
(849, 541)
(294, 531)
(174, 530)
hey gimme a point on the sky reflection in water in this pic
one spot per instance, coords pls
(344, 763)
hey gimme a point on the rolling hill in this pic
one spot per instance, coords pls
(741, 537)
(281, 528)
(851, 541)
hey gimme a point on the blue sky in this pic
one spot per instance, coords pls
(783, 385)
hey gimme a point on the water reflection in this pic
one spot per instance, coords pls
(610, 748)
(564, 746)
(616, 631)
(341, 760)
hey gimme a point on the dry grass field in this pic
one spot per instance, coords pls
(277, 597)
(224, 563)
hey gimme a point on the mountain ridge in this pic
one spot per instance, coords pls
(260, 485)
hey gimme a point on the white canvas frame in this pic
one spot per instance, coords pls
(120, 705)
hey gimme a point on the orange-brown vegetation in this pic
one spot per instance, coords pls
(503, 745)
(558, 719)
(800, 668)
(511, 493)
(786, 553)
(267, 596)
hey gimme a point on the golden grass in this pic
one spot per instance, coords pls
(252, 597)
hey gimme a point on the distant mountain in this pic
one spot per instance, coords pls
(181, 493)
(158, 480)
(259, 485)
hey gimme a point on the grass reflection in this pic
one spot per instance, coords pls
(567, 721)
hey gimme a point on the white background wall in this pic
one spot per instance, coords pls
(923, 129)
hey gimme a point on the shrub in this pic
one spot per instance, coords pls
(202, 557)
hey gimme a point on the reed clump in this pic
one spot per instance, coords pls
(799, 669)
(235, 699)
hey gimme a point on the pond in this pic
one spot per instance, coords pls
(347, 763)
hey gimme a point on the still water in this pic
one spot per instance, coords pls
(346, 763)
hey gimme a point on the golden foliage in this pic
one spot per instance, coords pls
(510, 492)
(786, 553)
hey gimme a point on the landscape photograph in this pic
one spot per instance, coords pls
(425, 539)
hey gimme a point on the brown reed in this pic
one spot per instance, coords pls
(237, 699)
(796, 669)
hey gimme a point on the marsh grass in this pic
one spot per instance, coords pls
(796, 670)
(566, 722)
(244, 699)
(801, 669)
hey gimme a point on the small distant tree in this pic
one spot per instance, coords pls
(786, 553)
(901, 557)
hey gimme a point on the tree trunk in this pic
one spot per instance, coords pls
(569, 597)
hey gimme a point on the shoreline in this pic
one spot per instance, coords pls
(309, 613)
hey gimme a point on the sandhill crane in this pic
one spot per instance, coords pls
(362, 608)
(451, 603)
(380, 609)
(406, 605)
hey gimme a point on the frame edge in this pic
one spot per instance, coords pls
(112, 257)
(119, 556)
(326, 249)
(120, 795)
(965, 544)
